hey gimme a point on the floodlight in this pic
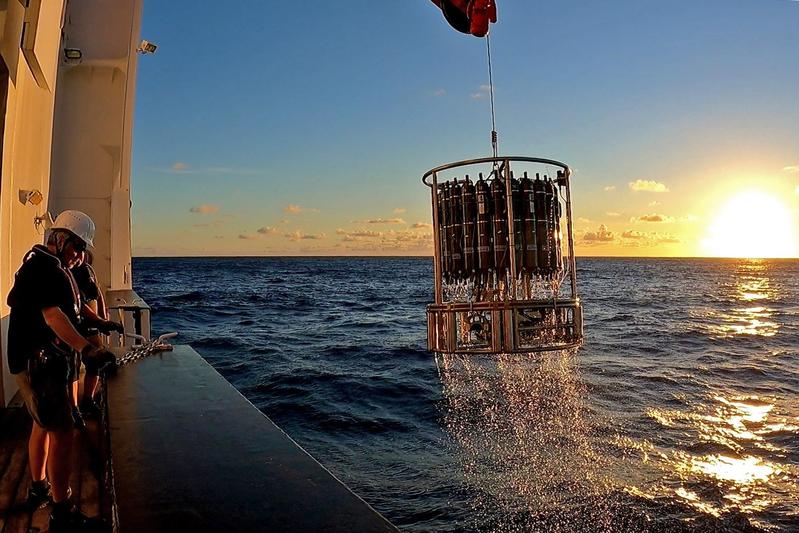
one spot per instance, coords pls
(146, 47)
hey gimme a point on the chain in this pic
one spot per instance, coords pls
(144, 350)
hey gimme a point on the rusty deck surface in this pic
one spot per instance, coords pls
(85, 481)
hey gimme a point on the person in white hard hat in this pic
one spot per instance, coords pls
(43, 348)
(91, 297)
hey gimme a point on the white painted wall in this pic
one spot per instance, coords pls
(27, 137)
(67, 132)
(93, 124)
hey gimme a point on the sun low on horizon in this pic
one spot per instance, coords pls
(751, 224)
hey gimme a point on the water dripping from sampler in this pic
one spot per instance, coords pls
(518, 426)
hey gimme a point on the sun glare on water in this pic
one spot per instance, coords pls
(752, 224)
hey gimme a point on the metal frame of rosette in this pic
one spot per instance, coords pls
(500, 267)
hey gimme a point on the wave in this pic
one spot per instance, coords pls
(188, 297)
(334, 351)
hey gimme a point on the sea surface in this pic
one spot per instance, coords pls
(679, 413)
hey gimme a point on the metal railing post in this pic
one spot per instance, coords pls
(511, 232)
(436, 242)
(572, 261)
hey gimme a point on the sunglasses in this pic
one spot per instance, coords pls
(78, 245)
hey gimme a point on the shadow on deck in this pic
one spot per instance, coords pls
(85, 481)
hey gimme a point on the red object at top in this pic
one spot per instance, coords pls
(469, 16)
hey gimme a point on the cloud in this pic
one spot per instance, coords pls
(267, 230)
(647, 186)
(294, 209)
(654, 203)
(368, 234)
(179, 167)
(792, 169)
(613, 214)
(640, 238)
(205, 209)
(216, 223)
(689, 218)
(654, 217)
(609, 188)
(247, 236)
(399, 210)
(390, 242)
(380, 221)
(632, 234)
(439, 92)
(410, 237)
(299, 236)
(483, 92)
(359, 234)
(421, 225)
(601, 235)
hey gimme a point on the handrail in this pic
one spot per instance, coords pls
(499, 159)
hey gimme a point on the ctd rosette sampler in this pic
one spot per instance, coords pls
(505, 278)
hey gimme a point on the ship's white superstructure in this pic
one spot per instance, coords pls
(67, 86)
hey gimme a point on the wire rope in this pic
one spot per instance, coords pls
(494, 136)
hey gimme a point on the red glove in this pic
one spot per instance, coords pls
(480, 13)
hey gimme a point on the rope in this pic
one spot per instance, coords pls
(494, 142)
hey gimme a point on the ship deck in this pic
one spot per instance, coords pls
(190, 453)
(86, 480)
(182, 450)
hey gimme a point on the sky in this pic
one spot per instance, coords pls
(303, 128)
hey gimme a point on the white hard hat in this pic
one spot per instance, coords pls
(78, 223)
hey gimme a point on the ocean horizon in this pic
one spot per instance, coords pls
(678, 413)
(430, 257)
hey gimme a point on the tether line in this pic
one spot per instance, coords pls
(494, 141)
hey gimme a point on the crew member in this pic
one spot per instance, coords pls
(43, 346)
(93, 309)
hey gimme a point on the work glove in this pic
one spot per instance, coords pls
(106, 361)
(107, 326)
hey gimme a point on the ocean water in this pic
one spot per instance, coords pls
(679, 413)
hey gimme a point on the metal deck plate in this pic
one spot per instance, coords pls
(190, 453)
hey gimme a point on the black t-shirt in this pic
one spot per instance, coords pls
(87, 282)
(41, 282)
(87, 286)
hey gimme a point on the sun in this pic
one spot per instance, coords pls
(751, 224)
